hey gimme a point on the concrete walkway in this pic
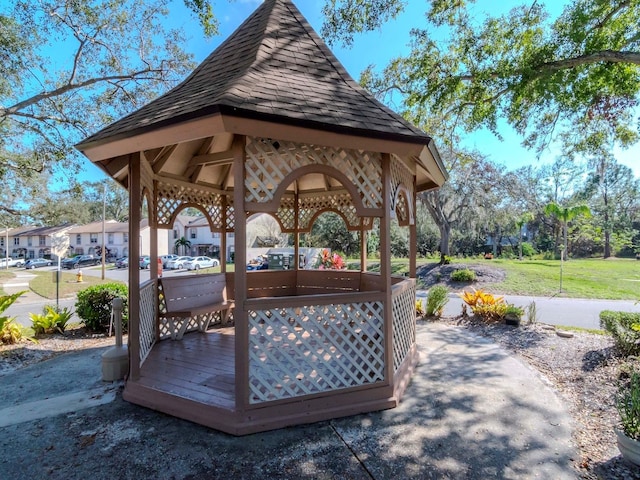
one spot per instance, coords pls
(471, 411)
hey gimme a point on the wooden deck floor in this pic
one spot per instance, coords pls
(200, 367)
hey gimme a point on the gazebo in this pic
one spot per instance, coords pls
(270, 123)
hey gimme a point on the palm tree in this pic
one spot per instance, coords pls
(184, 243)
(565, 215)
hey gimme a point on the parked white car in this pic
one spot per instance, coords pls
(13, 262)
(166, 259)
(202, 262)
(178, 263)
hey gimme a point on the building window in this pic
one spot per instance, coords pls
(194, 234)
(42, 240)
(215, 234)
(1, 241)
(175, 234)
(125, 238)
(93, 238)
(78, 239)
(16, 241)
(29, 242)
(110, 238)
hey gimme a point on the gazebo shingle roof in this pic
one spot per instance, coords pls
(274, 67)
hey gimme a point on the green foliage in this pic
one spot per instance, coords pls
(514, 310)
(624, 327)
(542, 76)
(118, 55)
(51, 320)
(532, 313)
(527, 250)
(464, 275)
(437, 298)
(330, 231)
(94, 304)
(628, 405)
(488, 307)
(10, 331)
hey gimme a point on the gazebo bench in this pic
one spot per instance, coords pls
(194, 296)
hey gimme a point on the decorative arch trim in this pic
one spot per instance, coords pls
(404, 195)
(184, 206)
(274, 204)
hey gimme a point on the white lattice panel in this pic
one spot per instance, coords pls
(287, 214)
(401, 176)
(269, 162)
(402, 210)
(147, 319)
(313, 349)
(404, 324)
(311, 205)
(171, 198)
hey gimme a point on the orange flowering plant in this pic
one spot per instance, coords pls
(328, 261)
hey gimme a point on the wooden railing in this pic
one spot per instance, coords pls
(310, 344)
(148, 317)
(403, 306)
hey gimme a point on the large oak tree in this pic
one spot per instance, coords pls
(67, 67)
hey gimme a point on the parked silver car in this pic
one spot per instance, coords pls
(201, 262)
(178, 263)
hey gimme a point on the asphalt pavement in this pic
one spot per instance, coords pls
(471, 411)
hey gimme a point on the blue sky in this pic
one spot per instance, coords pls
(378, 48)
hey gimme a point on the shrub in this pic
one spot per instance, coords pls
(464, 275)
(419, 308)
(485, 305)
(93, 305)
(514, 310)
(51, 320)
(532, 313)
(624, 327)
(437, 298)
(528, 250)
(10, 331)
(628, 406)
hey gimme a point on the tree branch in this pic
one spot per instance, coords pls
(139, 75)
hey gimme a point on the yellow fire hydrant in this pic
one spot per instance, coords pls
(79, 276)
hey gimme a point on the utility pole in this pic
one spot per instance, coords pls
(104, 241)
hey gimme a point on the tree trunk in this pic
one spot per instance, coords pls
(520, 243)
(438, 215)
(607, 229)
(565, 251)
(445, 233)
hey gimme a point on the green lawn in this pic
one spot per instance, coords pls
(615, 279)
(44, 285)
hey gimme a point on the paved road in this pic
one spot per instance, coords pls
(573, 312)
(32, 303)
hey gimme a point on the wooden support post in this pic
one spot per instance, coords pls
(135, 201)
(413, 233)
(240, 275)
(363, 247)
(385, 265)
(223, 237)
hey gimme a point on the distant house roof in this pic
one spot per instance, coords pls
(274, 67)
(110, 226)
(29, 231)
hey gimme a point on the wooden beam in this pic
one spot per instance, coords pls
(212, 159)
(117, 166)
(162, 158)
